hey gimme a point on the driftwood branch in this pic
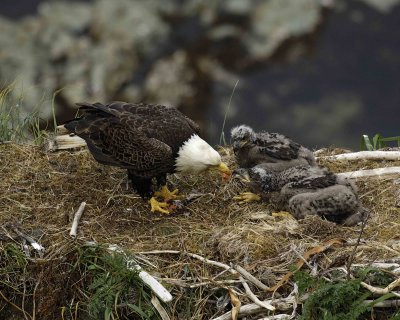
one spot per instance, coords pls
(382, 291)
(153, 284)
(65, 142)
(366, 155)
(371, 172)
(254, 298)
(77, 217)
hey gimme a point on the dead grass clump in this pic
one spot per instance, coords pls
(40, 191)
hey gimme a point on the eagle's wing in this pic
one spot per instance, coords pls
(166, 124)
(277, 146)
(142, 138)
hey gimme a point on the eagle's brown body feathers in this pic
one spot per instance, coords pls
(144, 139)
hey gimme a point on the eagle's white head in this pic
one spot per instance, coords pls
(196, 155)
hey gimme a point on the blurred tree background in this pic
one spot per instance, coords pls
(320, 71)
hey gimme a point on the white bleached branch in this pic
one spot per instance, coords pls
(365, 155)
(65, 142)
(371, 172)
(251, 278)
(77, 217)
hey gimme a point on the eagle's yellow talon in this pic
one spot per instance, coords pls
(247, 197)
(158, 206)
(166, 194)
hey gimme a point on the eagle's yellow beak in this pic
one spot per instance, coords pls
(223, 168)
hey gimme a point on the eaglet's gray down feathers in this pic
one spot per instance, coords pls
(275, 150)
(306, 190)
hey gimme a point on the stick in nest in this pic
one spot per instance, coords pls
(366, 155)
(77, 217)
(353, 253)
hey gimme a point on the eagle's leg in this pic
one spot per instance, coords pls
(144, 187)
(247, 197)
(164, 192)
(158, 206)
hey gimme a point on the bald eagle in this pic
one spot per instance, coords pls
(305, 190)
(274, 150)
(149, 141)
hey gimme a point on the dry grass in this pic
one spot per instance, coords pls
(40, 191)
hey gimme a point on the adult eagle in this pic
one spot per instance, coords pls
(149, 141)
(304, 191)
(274, 150)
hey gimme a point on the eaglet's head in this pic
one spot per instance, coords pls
(241, 135)
(256, 175)
(196, 155)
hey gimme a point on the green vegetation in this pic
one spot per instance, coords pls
(15, 124)
(110, 287)
(377, 142)
(93, 283)
(222, 140)
(340, 299)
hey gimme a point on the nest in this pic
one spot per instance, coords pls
(40, 191)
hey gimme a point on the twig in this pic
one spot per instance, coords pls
(250, 277)
(245, 310)
(254, 298)
(366, 155)
(250, 294)
(34, 300)
(77, 217)
(26, 314)
(222, 283)
(211, 262)
(353, 252)
(253, 308)
(193, 255)
(370, 173)
(382, 291)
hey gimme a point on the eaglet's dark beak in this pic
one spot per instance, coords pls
(241, 174)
